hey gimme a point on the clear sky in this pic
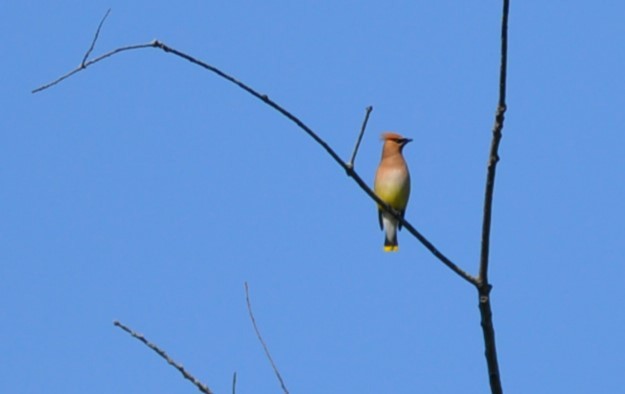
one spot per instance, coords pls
(148, 190)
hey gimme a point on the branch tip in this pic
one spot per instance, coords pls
(359, 139)
(95, 38)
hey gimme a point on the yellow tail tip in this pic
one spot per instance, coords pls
(391, 248)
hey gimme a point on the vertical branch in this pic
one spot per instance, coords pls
(483, 285)
(95, 38)
(494, 148)
(490, 350)
(368, 110)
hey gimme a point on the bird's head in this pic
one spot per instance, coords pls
(394, 140)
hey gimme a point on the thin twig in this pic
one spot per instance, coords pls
(234, 383)
(202, 387)
(90, 62)
(483, 285)
(368, 110)
(262, 341)
(95, 38)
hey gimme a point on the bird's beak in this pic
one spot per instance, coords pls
(407, 140)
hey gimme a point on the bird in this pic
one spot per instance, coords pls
(392, 185)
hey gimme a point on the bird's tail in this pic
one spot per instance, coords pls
(390, 233)
(390, 246)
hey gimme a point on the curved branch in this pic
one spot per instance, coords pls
(264, 98)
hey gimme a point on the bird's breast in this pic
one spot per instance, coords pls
(393, 186)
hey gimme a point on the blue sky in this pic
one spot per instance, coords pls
(148, 190)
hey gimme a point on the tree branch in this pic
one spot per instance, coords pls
(483, 285)
(262, 341)
(368, 110)
(264, 98)
(84, 65)
(95, 38)
(202, 387)
(493, 158)
(411, 229)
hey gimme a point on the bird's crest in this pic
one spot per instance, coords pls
(389, 135)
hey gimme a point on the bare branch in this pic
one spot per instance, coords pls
(350, 171)
(411, 229)
(83, 66)
(494, 148)
(203, 388)
(234, 383)
(262, 341)
(95, 38)
(264, 98)
(368, 110)
(483, 285)
(490, 348)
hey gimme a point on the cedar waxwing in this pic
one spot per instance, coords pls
(392, 185)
